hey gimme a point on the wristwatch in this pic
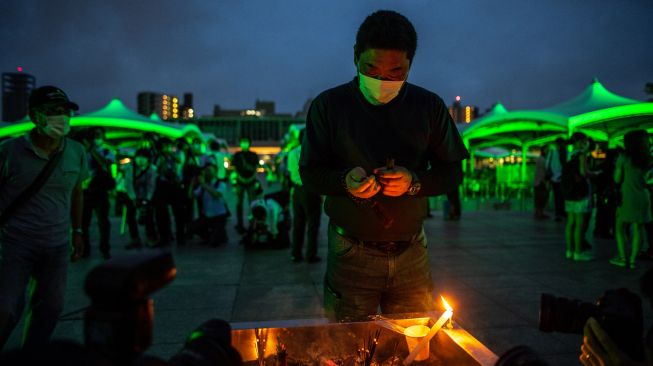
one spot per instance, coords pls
(415, 185)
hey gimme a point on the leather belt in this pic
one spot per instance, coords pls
(389, 247)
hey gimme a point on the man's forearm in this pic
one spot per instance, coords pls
(440, 179)
(324, 181)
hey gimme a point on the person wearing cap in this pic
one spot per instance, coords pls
(34, 240)
(377, 147)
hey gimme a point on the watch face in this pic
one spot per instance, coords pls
(414, 188)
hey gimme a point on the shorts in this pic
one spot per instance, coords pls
(581, 206)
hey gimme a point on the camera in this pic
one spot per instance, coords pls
(118, 323)
(618, 311)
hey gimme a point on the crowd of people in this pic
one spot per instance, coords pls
(604, 194)
(73, 176)
(160, 176)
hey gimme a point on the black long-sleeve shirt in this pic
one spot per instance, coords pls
(344, 131)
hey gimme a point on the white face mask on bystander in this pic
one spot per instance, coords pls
(56, 126)
(377, 91)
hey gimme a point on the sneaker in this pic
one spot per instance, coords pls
(583, 257)
(569, 254)
(619, 262)
(632, 265)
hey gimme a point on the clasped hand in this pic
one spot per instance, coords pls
(392, 182)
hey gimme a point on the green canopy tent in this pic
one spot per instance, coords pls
(604, 115)
(599, 113)
(514, 129)
(123, 125)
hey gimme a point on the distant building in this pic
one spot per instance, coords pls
(187, 110)
(219, 112)
(263, 131)
(166, 106)
(265, 107)
(462, 114)
(261, 109)
(16, 87)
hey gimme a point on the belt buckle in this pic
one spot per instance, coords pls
(391, 246)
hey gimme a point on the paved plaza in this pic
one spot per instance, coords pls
(492, 266)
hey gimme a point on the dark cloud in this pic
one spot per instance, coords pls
(525, 54)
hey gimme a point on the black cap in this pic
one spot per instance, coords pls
(50, 95)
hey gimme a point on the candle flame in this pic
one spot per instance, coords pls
(446, 304)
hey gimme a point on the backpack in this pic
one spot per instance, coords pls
(574, 187)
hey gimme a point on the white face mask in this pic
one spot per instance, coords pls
(378, 91)
(56, 126)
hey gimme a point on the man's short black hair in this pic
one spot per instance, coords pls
(386, 30)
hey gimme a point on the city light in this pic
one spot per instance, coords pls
(457, 98)
(468, 114)
(252, 112)
(19, 68)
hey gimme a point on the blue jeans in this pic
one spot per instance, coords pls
(44, 271)
(360, 279)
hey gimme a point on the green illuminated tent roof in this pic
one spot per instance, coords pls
(605, 115)
(120, 122)
(596, 111)
(595, 97)
(513, 128)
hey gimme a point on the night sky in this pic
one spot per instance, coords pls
(525, 54)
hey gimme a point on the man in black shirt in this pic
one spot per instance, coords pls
(377, 147)
(245, 163)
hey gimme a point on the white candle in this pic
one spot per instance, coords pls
(436, 327)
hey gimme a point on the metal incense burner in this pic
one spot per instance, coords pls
(317, 342)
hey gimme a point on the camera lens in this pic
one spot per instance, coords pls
(559, 314)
